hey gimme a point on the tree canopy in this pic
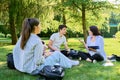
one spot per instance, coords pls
(78, 15)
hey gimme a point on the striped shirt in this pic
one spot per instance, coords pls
(30, 58)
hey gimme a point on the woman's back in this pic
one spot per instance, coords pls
(25, 60)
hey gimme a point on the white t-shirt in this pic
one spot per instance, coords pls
(58, 40)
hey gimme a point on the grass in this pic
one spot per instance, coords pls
(85, 71)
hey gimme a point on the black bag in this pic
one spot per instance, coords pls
(10, 62)
(65, 52)
(55, 72)
(74, 54)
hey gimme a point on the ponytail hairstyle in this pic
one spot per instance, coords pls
(28, 26)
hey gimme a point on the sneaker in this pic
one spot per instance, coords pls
(108, 64)
(74, 63)
(94, 61)
(112, 58)
(80, 58)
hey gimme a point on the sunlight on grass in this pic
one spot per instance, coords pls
(6, 49)
(2, 63)
(8, 46)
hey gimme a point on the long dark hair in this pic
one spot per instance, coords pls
(94, 30)
(27, 28)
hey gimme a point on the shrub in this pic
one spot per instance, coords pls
(117, 35)
(9, 35)
(2, 35)
(113, 30)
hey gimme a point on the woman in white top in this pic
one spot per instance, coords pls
(96, 51)
(28, 51)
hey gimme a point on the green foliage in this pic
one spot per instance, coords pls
(114, 18)
(105, 29)
(117, 35)
(1, 35)
(51, 12)
(4, 29)
(113, 30)
(118, 27)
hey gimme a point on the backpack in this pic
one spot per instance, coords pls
(74, 54)
(55, 72)
(65, 52)
(10, 62)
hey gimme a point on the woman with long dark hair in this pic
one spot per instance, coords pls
(94, 45)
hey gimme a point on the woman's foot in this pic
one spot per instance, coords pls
(89, 60)
(74, 63)
(80, 58)
(94, 61)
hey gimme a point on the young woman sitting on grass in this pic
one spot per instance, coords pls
(94, 46)
(28, 53)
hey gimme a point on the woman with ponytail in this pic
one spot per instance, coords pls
(28, 53)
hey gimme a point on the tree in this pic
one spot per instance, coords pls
(16, 9)
(4, 30)
(12, 17)
(4, 17)
(76, 14)
(87, 6)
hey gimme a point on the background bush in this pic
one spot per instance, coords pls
(117, 35)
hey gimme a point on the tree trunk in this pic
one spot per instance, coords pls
(12, 21)
(63, 14)
(5, 35)
(84, 23)
(64, 19)
(12, 30)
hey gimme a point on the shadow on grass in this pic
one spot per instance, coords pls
(12, 74)
(84, 71)
(4, 50)
(5, 43)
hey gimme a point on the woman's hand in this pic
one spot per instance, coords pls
(91, 49)
(46, 54)
(82, 41)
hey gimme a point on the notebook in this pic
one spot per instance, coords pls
(94, 47)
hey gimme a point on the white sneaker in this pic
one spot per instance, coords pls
(74, 63)
(80, 58)
(108, 64)
(94, 61)
(113, 60)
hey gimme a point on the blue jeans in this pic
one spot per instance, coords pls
(55, 57)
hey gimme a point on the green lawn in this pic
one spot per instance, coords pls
(85, 71)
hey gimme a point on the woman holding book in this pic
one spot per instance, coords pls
(94, 46)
